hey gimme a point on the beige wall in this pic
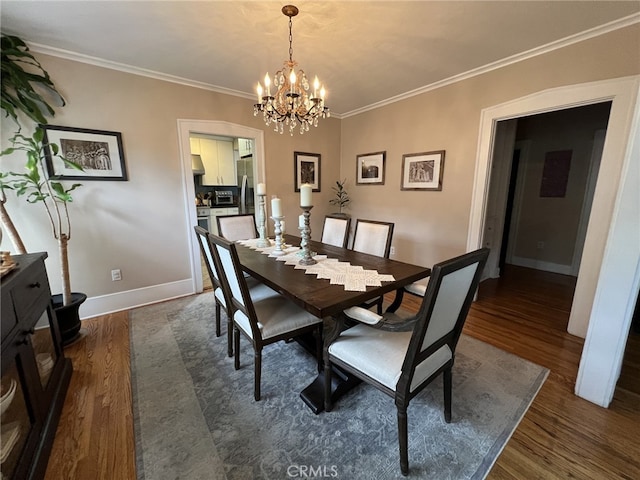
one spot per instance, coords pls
(554, 220)
(140, 225)
(430, 225)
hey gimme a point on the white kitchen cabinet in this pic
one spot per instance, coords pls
(218, 212)
(218, 160)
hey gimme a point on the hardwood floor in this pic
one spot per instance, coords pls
(525, 312)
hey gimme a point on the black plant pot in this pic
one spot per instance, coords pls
(68, 316)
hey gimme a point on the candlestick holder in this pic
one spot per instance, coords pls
(279, 250)
(306, 259)
(263, 241)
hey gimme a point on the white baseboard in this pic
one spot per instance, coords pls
(115, 302)
(539, 265)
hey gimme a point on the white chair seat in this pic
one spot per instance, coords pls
(276, 315)
(416, 288)
(380, 354)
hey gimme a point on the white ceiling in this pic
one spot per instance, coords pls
(366, 52)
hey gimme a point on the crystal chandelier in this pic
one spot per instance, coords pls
(293, 103)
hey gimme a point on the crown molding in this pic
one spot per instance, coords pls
(549, 47)
(576, 38)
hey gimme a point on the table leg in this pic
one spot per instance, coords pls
(396, 301)
(341, 381)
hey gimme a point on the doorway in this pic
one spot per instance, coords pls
(214, 128)
(609, 274)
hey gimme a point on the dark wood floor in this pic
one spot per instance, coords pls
(526, 313)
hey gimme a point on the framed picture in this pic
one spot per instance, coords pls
(370, 168)
(422, 171)
(98, 152)
(306, 167)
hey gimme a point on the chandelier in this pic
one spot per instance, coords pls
(293, 103)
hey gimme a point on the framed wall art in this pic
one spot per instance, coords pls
(98, 152)
(306, 167)
(422, 171)
(370, 168)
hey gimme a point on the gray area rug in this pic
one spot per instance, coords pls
(195, 417)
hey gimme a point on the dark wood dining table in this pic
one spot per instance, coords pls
(322, 299)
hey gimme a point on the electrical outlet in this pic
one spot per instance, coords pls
(393, 250)
(116, 275)
(540, 245)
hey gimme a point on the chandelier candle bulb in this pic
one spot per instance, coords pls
(305, 195)
(276, 207)
(261, 189)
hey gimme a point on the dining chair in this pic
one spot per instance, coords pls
(257, 288)
(401, 356)
(264, 320)
(237, 227)
(335, 230)
(374, 238)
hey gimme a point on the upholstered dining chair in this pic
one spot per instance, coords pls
(374, 238)
(335, 230)
(257, 288)
(237, 227)
(402, 356)
(262, 320)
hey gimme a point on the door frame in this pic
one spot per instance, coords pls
(210, 127)
(611, 262)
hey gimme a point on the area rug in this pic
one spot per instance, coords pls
(195, 417)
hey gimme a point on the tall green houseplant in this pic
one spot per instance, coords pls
(23, 79)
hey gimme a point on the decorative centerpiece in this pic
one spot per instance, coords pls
(305, 230)
(276, 215)
(261, 192)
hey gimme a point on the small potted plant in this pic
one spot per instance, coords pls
(341, 197)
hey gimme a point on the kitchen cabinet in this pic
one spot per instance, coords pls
(217, 212)
(35, 373)
(244, 146)
(218, 160)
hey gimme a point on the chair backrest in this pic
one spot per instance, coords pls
(373, 237)
(207, 251)
(335, 230)
(452, 286)
(234, 284)
(237, 227)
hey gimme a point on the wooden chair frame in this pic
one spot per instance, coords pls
(415, 355)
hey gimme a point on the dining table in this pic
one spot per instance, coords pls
(327, 300)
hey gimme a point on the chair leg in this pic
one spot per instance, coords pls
(217, 319)
(236, 347)
(379, 305)
(403, 440)
(447, 381)
(229, 335)
(257, 367)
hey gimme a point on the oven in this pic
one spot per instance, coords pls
(204, 218)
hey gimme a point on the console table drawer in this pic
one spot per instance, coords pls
(31, 295)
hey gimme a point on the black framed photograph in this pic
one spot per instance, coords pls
(422, 171)
(370, 168)
(98, 152)
(306, 167)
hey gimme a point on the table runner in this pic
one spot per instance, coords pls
(354, 278)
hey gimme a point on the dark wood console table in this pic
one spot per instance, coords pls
(35, 373)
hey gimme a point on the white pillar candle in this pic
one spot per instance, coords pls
(261, 189)
(305, 195)
(276, 207)
(301, 221)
